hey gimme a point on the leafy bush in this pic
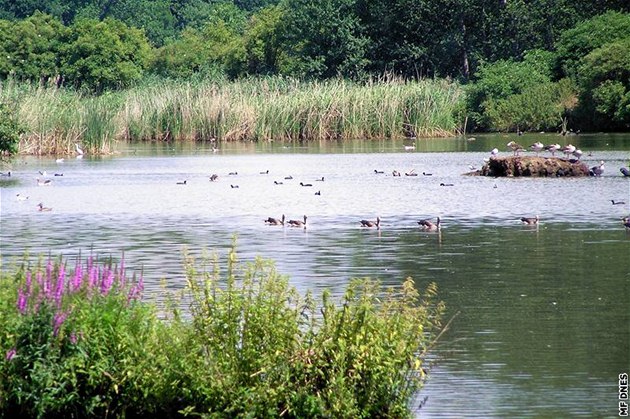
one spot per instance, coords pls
(10, 130)
(80, 343)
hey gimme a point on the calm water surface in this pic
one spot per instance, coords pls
(543, 328)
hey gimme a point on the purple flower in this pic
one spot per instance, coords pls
(10, 354)
(78, 277)
(60, 317)
(107, 281)
(73, 338)
(60, 285)
(22, 301)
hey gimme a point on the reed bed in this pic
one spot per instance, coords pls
(268, 109)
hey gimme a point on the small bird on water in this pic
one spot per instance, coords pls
(530, 220)
(428, 225)
(368, 223)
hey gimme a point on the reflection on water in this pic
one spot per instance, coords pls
(543, 328)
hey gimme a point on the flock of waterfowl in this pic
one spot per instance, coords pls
(425, 224)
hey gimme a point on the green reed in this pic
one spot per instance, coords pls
(278, 109)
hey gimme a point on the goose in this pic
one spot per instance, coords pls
(306, 184)
(494, 152)
(446, 184)
(617, 202)
(515, 147)
(427, 174)
(275, 221)
(288, 177)
(21, 197)
(530, 220)
(234, 186)
(552, 148)
(266, 172)
(378, 172)
(626, 222)
(182, 183)
(412, 172)
(368, 223)
(232, 173)
(298, 223)
(568, 149)
(275, 182)
(624, 171)
(318, 193)
(537, 147)
(320, 180)
(45, 182)
(428, 225)
(597, 170)
(214, 177)
(42, 208)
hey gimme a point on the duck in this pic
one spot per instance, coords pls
(7, 174)
(624, 171)
(275, 182)
(234, 186)
(378, 172)
(42, 208)
(597, 170)
(368, 223)
(318, 193)
(412, 172)
(232, 173)
(182, 183)
(537, 147)
(552, 148)
(288, 177)
(266, 172)
(305, 184)
(45, 182)
(428, 225)
(395, 173)
(617, 202)
(320, 180)
(298, 223)
(214, 177)
(446, 184)
(427, 174)
(275, 221)
(530, 220)
(515, 147)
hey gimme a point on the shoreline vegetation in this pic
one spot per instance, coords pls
(77, 340)
(263, 109)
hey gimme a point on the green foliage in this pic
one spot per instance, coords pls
(10, 130)
(104, 55)
(79, 344)
(263, 45)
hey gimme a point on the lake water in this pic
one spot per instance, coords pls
(543, 328)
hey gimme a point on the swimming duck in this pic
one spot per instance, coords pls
(428, 225)
(42, 208)
(298, 223)
(275, 221)
(378, 172)
(530, 220)
(624, 171)
(617, 202)
(21, 197)
(45, 182)
(266, 172)
(182, 183)
(306, 184)
(214, 177)
(368, 223)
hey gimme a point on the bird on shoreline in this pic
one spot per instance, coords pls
(275, 221)
(577, 153)
(428, 225)
(537, 147)
(597, 170)
(368, 223)
(298, 223)
(78, 149)
(530, 220)
(494, 152)
(552, 148)
(515, 147)
(568, 149)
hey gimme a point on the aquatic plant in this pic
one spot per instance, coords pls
(79, 342)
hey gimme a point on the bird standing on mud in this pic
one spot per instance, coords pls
(515, 147)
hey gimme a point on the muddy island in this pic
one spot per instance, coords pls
(533, 166)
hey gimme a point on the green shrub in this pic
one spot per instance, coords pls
(10, 130)
(80, 343)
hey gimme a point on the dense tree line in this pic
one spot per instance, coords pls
(572, 48)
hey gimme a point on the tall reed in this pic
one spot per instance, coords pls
(264, 109)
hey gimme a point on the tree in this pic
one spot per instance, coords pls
(263, 47)
(323, 39)
(104, 55)
(10, 130)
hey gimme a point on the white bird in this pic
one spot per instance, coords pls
(516, 148)
(410, 147)
(597, 170)
(43, 208)
(577, 153)
(21, 197)
(78, 149)
(59, 160)
(494, 152)
(568, 149)
(537, 147)
(552, 148)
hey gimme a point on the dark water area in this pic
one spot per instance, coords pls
(543, 323)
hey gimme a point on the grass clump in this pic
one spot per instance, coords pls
(81, 343)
